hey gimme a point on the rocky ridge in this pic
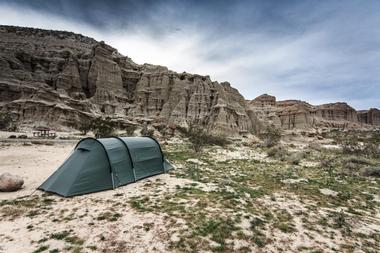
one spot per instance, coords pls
(60, 79)
(290, 114)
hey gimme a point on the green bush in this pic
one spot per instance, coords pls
(278, 152)
(372, 172)
(103, 127)
(199, 138)
(130, 129)
(295, 158)
(271, 136)
(85, 126)
(6, 122)
(147, 132)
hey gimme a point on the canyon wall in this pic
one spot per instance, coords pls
(60, 79)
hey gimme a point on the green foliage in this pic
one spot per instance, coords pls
(147, 132)
(278, 152)
(103, 127)
(271, 136)
(199, 138)
(6, 122)
(372, 172)
(130, 129)
(85, 126)
(41, 249)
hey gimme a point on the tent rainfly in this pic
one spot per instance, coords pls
(102, 164)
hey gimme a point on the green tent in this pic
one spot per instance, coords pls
(102, 164)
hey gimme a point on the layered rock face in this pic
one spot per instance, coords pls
(290, 114)
(58, 79)
(371, 116)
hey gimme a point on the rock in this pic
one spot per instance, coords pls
(9, 182)
(295, 181)
(195, 161)
(371, 116)
(328, 192)
(291, 114)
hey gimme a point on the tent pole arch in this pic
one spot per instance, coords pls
(159, 146)
(108, 158)
(129, 154)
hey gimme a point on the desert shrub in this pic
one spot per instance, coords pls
(130, 129)
(147, 132)
(85, 126)
(103, 127)
(356, 144)
(278, 152)
(295, 158)
(199, 138)
(356, 160)
(315, 146)
(271, 136)
(6, 122)
(372, 172)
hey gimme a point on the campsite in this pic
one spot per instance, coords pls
(187, 126)
(231, 198)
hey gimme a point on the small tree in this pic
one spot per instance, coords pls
(85, 126)
(103, 127)
(130, 129)
(271, 136)
(199, 138)
(5, 121)
(147, 132)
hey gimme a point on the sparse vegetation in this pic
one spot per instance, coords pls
(6, 122)
(271, 136)
(199, 138)
(225, 202)
(103, 127)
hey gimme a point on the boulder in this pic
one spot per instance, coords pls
(9, 182)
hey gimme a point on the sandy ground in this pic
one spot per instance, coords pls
(143, 232)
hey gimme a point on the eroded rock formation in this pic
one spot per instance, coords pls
(61, 78)
(371, 116)
(290, 114)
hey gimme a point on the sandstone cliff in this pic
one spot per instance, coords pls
(290, 114)
(60, 78)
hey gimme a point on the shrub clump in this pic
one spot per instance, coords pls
(278, 152)
(372, 172)
(103, 127)
(199, 138)
(271, 137)
(295, 158)
(6, 122)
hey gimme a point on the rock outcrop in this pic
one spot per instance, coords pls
(9, 182)
(371, 116)
(290, 114)
(58, 79)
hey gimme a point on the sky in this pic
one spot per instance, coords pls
(318, 51)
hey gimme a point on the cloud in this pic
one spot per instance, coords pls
(318, 52)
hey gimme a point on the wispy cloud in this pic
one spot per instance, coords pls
(319, 51)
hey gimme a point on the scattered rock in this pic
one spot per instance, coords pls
(295, 181)
(9, 182)
(328, 192)
(195, 161)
